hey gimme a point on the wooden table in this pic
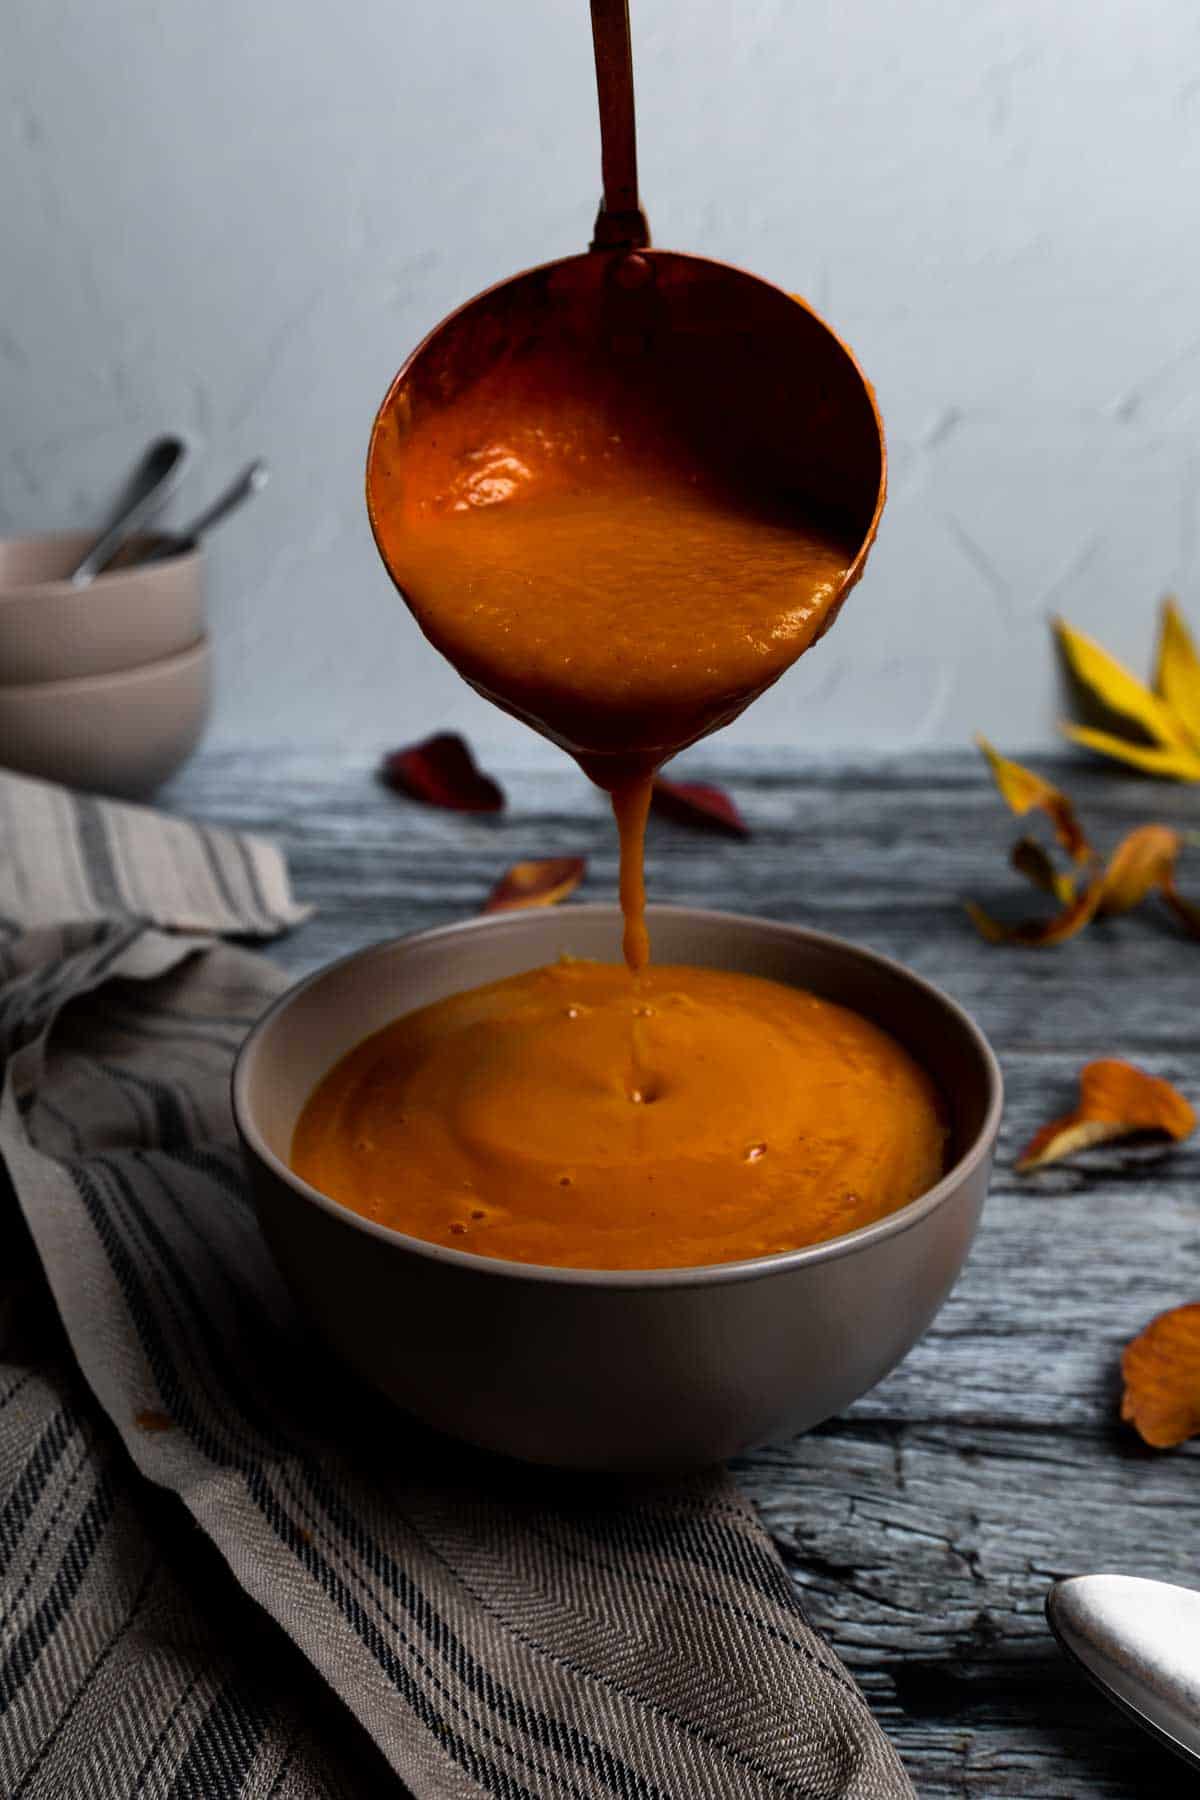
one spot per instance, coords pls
(924, 1527)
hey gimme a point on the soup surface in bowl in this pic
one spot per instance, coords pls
(576, 1117)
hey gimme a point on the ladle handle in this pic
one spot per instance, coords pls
(620, 223)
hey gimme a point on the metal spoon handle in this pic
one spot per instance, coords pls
(151, 487)
(252, 478)
(620, 223)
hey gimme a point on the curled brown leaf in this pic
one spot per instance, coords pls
(542, 883)
(1161, 1371)
(1037, 934)
(1116, 1100)
(1140, 863)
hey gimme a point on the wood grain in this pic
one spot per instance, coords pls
(923, 1528)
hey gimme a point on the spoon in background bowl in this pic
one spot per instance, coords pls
(252, 479)
(150, 487)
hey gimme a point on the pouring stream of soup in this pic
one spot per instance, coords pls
(591, 545)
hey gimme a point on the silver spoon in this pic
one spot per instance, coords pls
(151, 486)
(252, 479)
(1139, 1641)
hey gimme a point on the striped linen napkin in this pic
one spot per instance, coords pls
(344, 1604)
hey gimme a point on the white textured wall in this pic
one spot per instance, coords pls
(237, 218)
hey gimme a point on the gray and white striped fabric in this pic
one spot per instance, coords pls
(343, 1604)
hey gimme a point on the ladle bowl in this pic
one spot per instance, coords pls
(757, 388)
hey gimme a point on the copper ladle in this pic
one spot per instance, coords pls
(759, 388)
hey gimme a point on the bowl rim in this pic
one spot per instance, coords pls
(180, 662)
(698, 1275)
(58, 587)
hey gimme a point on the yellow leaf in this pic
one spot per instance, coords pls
(1023, 791)
(1177, 678)
(1175, 763)
(1118, 690)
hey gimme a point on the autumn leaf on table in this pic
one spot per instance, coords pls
(700, 804)
(542, 883)
(1161, 1370)
(1167, 716)
(441, 771)
(1040, 934)
(1026, 792)
(1116, 1100)
(1143, 862)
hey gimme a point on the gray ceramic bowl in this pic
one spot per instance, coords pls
(114, 734)
(595, 1368)
(51, 631)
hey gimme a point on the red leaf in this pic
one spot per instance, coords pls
(536, 884)
(698, 804)
(442, 772)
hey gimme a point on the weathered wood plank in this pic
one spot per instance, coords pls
(924, 1527)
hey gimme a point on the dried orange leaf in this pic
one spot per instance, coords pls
(441, 771)
(1177, 677)
(1023, 791)
(1036, 934)
(1141, 862)
(1115, 1100)
(1033, 860)
(1116, 689)
(536, 883)
(698, 803)
(1161, 1369)
(1174, 763)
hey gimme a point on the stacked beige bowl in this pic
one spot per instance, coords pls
(104, 687)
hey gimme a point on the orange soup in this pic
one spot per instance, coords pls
(575, 1117)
